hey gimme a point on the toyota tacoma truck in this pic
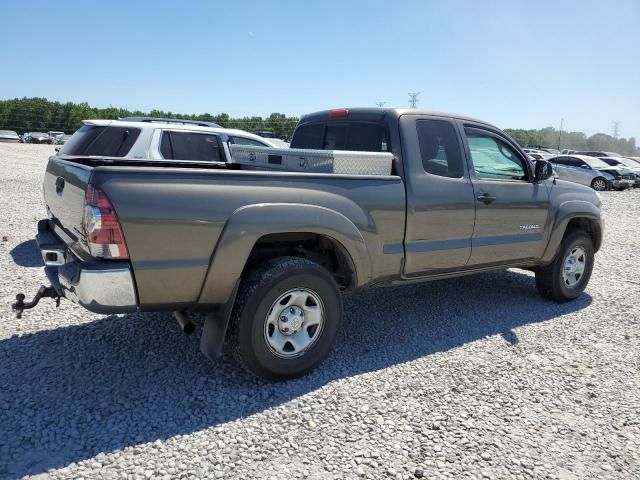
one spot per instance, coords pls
(142, 217)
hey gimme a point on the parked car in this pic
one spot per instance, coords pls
(160, 139)
(41, 137)
(53, 135)
(267, 254)
(538, 155)
(62, 139)
(597, 153)
(568, 151)
(9, 136)
(626, 165)
(591, 171)
(551, 151)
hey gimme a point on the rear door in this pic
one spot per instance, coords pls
(511, 209)
(579, 171)
(440, 198)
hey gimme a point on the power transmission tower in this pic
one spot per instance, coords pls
(413, 99)
(616, 129)
(380, 104)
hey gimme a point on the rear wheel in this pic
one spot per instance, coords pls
(286, 318)
(568, 275)
(599, 184)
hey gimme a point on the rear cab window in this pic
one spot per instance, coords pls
(343, 135)
(101, 141)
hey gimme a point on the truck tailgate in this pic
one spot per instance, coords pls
(65, 184)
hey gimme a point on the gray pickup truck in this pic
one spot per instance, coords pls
(267, 254)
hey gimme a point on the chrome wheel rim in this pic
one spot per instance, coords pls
(294, 323)
(599, 185)
(574, 264)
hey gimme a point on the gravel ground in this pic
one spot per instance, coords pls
(468, 378)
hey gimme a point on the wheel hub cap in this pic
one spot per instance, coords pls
(294, 323)
(574, 265)
(290, 320)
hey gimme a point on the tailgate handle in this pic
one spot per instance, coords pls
(59, 185)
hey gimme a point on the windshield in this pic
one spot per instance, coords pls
(596, 163)
(628, 162)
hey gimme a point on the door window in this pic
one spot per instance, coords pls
(247, 141)
(439, 148)
(493, 159)
(194, 146)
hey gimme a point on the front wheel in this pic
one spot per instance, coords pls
(567, 276)
(599, 184)
(286, 318)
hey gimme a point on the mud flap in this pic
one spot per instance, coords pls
(215, 327)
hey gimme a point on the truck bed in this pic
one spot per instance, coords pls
(174, 214)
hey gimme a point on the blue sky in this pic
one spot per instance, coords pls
(522, 64)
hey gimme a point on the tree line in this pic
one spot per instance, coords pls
(550, 137)
(40, 114)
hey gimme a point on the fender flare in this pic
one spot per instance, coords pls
(567, 211)
(249, 223)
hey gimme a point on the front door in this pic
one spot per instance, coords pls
(440, 199)
(511, 208)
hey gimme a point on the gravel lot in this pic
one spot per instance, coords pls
(468, 378)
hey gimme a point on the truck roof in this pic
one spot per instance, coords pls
(381, 111)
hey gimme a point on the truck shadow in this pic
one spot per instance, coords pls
(71, 393)
(27, 254)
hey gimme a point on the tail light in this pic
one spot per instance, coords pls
(101, 226)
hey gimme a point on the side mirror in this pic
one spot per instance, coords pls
(543, 170)
(57, 149)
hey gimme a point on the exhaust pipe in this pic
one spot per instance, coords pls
(185, 324)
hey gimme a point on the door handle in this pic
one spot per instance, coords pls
(487, 198)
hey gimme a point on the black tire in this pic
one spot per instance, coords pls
(258, 292)
(596, 182)
(549, 279)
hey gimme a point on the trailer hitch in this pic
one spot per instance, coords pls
(43, 292)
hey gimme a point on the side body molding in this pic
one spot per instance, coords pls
(567, 211)
(247, 224)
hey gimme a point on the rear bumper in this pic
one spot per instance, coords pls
(99, 286)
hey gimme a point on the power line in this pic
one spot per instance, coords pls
(413, 99)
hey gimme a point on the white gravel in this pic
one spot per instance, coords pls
(468, 378)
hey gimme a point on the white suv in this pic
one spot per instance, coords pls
(148, 138)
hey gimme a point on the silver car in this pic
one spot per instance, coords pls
(628, 166)
(9, 136)
(591, 171)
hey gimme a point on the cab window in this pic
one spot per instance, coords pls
(494, 159)
(439, 148)
(354, 136)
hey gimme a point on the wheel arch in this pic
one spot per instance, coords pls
(571, 216)
(286, 229)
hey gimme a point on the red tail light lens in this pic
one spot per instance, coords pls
(101, 226)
